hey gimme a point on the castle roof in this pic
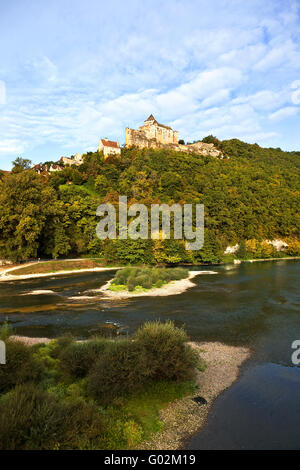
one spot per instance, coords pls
(110, 143)
(152, 118)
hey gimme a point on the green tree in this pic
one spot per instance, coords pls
(28, 208)
(21, 164)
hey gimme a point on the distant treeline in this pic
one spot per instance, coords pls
(252, 195)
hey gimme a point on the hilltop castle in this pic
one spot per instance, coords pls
(150, 134)
(155, 135)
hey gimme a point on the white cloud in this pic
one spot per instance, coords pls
(42, 68)
(279, 55)
(295, 97)
(265, 100)
(227, 73)
(283, 113)
(13, 146)
(2, 93)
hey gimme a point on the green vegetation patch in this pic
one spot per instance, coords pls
(95, 394)
(145, 278)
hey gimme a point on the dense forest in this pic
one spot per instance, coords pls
(250, 196)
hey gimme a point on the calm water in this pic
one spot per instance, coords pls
(256, 305)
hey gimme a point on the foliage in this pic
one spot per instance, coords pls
(20, 367)
(158, 353)
(76, 359)
(6, 330)
(147, 277)
(165, 353)
(21, 164)
(117, 372)
(33, 419)
(254, 193)
(94, 394)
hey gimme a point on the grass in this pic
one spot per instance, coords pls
(138, 417)
(62, 394)
(201, 366)
(117, 287)
(58, 265)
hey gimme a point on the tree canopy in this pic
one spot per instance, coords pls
(253, 194)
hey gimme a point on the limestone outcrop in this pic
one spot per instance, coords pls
(155, 135)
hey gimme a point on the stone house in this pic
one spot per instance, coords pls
(109, 147)
(76, 160)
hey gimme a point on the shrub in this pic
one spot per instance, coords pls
(164, 351)
(6, 331)
(32, 419)
(117, 372)
(157, 353)
(143, 280)
(131, 284)
(20, 366)
(76, 359)
(147, 277)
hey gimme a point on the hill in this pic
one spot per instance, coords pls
(251, 196)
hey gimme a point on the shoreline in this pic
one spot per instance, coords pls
(183, 418)
(172, 288)
(10, 277)
(255, 260)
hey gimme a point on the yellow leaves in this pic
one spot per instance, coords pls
(132, 433)
(252, 245)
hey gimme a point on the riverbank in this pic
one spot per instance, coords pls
(62, 268)
(256, 260)
(5, 276)
(172, 288)
(185, 417)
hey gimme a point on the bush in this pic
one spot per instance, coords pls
(6, 331)
(143, 280)
(20, 366)
(117, 372)
(165, 353)
(147, 277)
(77, 358)
(32, 419)
(157, 353)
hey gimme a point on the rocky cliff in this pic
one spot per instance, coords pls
(140, 140)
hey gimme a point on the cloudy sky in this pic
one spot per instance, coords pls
(72, 71)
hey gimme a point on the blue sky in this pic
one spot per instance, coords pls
(73, 71)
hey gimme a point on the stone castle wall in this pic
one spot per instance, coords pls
(139, 138)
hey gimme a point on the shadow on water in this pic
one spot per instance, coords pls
(260, 411)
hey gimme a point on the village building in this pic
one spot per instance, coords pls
(150, 134)
(44, 168)
(109, 147)
(76, 160)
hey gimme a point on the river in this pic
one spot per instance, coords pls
(252, 304)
